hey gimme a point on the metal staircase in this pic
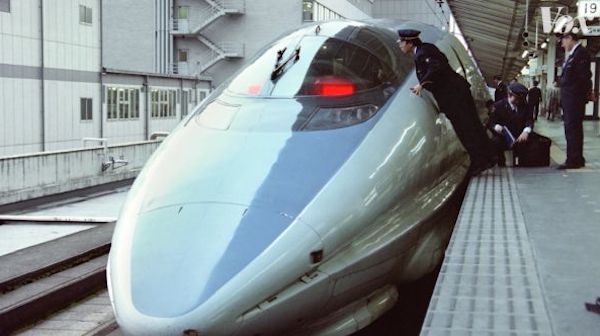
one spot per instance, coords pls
(216, 51)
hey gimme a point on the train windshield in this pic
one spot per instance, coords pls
(314, 65)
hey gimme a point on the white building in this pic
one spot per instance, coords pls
(56, 89)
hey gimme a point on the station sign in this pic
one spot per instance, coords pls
(588, 8)
(592, 31)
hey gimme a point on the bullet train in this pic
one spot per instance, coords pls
(298, 196)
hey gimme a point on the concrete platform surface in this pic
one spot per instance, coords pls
(523, 258)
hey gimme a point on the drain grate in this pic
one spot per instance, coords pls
(488, 283)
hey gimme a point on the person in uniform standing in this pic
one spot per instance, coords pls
(575, 87)
(534, 98)
(512, 114)
(500, 92)
(453, 95)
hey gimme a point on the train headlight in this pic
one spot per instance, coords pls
(338, 117)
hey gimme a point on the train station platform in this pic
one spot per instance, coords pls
(523, 257)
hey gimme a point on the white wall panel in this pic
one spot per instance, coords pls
(64, 128)
(19, 115)
(71, 44)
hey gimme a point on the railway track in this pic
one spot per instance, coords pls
(40, 280)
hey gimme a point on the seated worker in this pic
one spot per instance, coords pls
(516, 115)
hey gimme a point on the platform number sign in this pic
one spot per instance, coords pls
(588, 8)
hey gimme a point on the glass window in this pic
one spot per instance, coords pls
(164, 103)
(85, 108)
(172, 103)
(154, 98)
(112, 103)
(5, 6)
(135, 103)
(85, 14)
(122, 103)
(359, 62)
(183, 12)
(182, 55)
(307, 10)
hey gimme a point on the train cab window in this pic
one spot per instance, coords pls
(341, 68)
(317, 65)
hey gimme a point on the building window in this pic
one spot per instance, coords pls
(123, 103)
(86, 109)
(85, 14)
(307, 10)
(5, 6)
(182, 55)
(163, 103)
(183, 12)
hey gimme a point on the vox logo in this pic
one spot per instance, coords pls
(563, 23)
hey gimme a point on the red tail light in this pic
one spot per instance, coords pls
(334, 87)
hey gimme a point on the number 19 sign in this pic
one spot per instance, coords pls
(588, 8)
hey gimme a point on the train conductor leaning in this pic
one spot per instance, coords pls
(453, 95)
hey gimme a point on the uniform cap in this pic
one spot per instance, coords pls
(408, 34)
(574, 36)
(518, 89)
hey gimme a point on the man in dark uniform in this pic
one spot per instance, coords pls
(453, 95)
(534, 98)
(500, 92)
(575, 85)
(516, 115)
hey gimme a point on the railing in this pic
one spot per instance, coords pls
(239, 5)
(232, 49)
(217, 52)
(208, 16)
(102, 141)
(179, 68)
(215, 10)
(180, 26)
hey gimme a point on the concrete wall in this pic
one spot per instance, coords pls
(30, 176)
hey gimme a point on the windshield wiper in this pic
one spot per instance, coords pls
(281, 68)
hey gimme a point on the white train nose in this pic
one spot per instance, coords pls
(173, 262)
(202, 266)
(182, 254)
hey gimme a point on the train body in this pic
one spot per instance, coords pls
(297, 196)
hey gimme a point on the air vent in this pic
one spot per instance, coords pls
(316, 256)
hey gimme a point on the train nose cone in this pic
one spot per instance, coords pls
(183, 254)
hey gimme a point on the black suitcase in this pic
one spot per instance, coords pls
(533, 153)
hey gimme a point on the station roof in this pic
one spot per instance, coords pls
(493, 29)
